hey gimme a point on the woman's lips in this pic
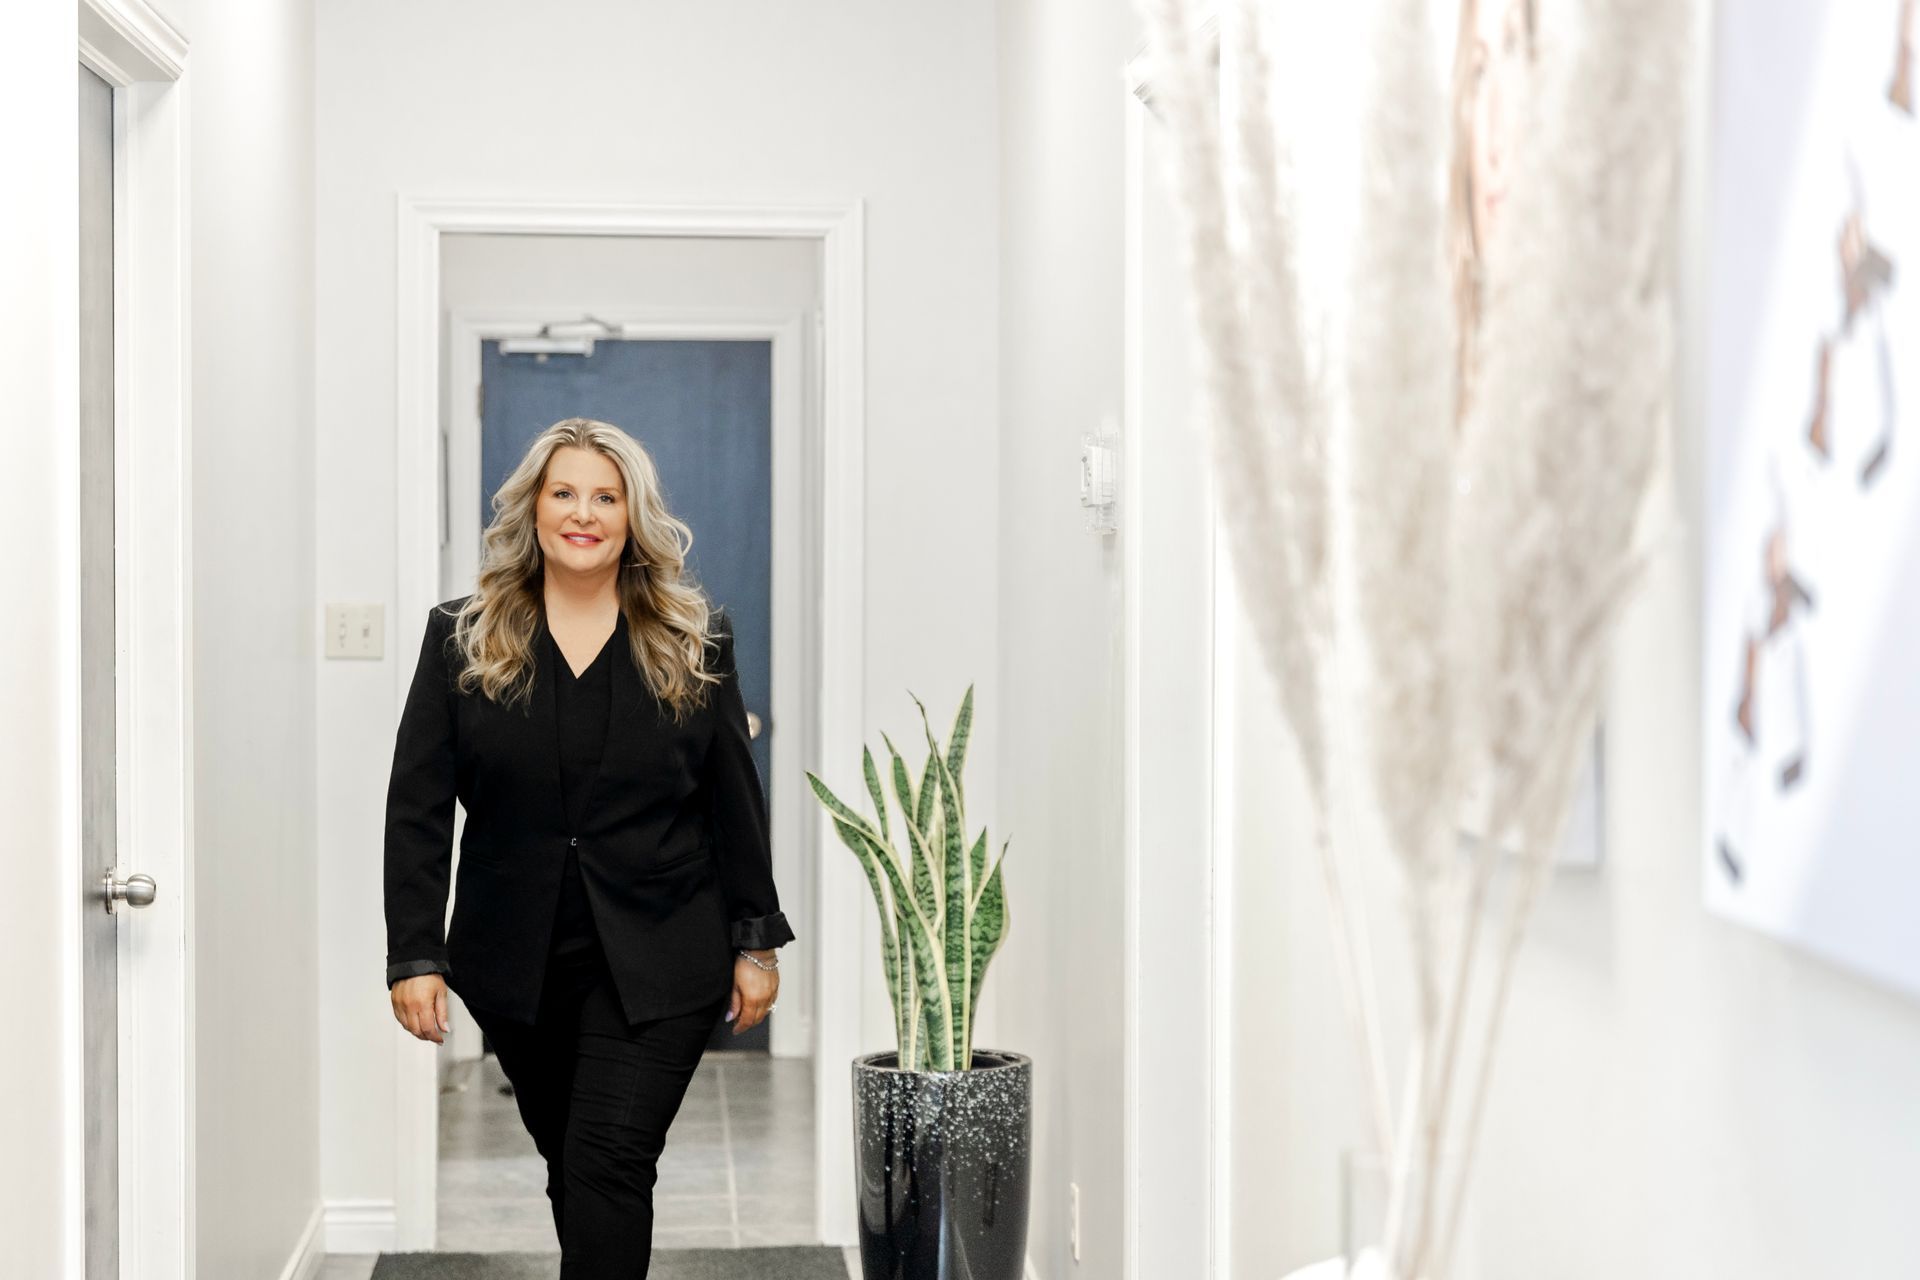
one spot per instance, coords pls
(581, 539)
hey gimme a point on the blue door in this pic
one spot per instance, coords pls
(704, 411)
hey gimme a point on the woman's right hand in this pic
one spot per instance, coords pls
(420, 1005)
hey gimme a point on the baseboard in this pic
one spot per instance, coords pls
(304, 1262)
(360, 1226)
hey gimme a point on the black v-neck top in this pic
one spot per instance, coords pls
(582, 705)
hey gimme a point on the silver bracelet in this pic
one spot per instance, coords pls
(758, 963)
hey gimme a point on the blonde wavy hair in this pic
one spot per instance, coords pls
(667, 614)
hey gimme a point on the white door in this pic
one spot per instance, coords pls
(105, 890)
(113, 505)
(96, 524)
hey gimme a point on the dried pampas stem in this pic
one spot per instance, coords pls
(1492, 549)
(1266, 417)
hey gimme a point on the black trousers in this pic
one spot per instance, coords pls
(597, 1094)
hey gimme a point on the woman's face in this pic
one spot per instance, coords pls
(581, 515)
(1499, 64)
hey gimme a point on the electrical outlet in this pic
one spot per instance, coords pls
(1073, 1218)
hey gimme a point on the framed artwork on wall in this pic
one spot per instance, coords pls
(1811, 615)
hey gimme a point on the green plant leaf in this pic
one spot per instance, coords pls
(923, 813)
(927, 886)
(930, 1035)
(918, 871)
(943, 910)
(990, 920)
(873, 789)
(958, 896)
(902, 781)
(928, 966)
(977, 865)
(871, 860)
(839, 809)
(907, 1016)
(957, 745)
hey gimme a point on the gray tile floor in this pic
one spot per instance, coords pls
(737, 1170)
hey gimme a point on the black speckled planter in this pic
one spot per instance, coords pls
(942, 1161)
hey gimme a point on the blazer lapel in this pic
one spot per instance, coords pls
(631, 710)
(625, 716)
(543, 721)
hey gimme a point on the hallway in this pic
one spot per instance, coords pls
(738, 1168)
(737, 1171)
(1092, 367)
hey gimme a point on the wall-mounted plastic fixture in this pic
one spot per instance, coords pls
(541, 348)
(1100, 477)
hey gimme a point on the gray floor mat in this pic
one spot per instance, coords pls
(797, 1263)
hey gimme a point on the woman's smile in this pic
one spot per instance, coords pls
(582, 504)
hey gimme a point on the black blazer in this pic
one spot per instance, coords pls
(673, 849)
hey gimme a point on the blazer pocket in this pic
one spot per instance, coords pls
(480, 851)
(677, 862)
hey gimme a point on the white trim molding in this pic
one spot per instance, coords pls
(360, 1226)
(834, 516)
(1173, 1070)
(309, 1251)
(130, 42)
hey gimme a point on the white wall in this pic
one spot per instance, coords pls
(608, 101)
(255, 628)
(575, 273)
(1675, 1096)
(1059, 977)
(39, 647)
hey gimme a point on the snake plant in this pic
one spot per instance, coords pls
(943, 911)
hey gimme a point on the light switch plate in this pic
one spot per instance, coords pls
(356, 630)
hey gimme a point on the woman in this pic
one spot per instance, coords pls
(615, 889)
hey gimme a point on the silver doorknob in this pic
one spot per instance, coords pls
(137, 890)
(753, 725)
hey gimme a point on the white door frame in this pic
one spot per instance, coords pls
(836, 518)
(144, 57)
(1178, 929)
(790, 1035)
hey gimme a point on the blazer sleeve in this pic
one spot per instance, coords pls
(738, 818)
(419, 830)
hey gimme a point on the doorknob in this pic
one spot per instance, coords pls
(753, 725)
(137, 890)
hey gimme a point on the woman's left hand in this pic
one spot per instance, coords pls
(754, 990)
